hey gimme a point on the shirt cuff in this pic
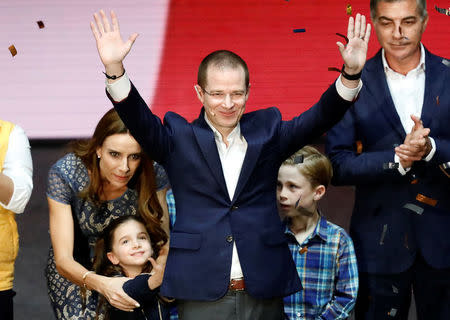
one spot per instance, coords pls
(348, 94)
(433, 150)
(402, 170)
(119, 89)
(19, 199)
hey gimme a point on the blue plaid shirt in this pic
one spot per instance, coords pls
(171, 206)
(326, 265)
(172, 216)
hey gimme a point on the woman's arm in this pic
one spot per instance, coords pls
(62, 236)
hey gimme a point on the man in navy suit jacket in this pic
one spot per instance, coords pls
(401, 219)
(228, 256)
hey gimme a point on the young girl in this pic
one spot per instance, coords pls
(322, 251)
(126, 250)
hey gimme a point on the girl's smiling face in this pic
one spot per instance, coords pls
(131, 247)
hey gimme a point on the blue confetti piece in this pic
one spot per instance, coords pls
(299, 30)
(298, 159)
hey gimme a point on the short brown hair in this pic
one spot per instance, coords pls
(316, 167)
(421, 7)
(220, 59)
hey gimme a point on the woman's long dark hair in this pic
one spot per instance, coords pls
(143, 181)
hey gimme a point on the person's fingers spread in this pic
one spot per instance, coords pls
(105, 21)
(114, 21)
(131, 40)
(99, 24)
(341, 47)
(357, 25)
(95, 31)
(367, 35)
(350, 28)
(362, 31)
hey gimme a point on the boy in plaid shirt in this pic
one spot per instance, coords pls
(322, 251)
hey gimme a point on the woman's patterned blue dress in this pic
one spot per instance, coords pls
(66, 178)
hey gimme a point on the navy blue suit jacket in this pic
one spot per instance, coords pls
(201, 242)
(386, 235)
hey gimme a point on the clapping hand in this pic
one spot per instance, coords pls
(416, 145)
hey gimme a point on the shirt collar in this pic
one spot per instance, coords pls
(236, 132)
(394, 75)
(321, 230)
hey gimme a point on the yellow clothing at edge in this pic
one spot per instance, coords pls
(9, 237)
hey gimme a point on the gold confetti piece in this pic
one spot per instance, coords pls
(334, 69)
(415, 181)
(349, 9)
(303, 250)
(437, 100)
(359, 147)
(13, 50)
(40, 24)
(426, 200)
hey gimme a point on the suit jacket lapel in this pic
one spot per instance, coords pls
(376, 84)
(254, 145)
(205, 139)
(434, 84)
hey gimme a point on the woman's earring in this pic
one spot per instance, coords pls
(98, 156)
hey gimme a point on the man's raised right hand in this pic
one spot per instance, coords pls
(110, 45)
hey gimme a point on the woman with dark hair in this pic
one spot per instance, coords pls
(105, 177)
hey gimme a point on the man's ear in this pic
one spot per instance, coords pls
(319, 192)
(247, 93)
(425, 22)
(199, 93)
(112, 257)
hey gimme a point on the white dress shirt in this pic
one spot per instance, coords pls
(231, 157)
(19, 168)
(407, 92)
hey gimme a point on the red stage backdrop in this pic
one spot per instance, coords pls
(288, 70)
(54, 87)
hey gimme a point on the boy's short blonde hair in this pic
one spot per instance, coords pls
(316, 167)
